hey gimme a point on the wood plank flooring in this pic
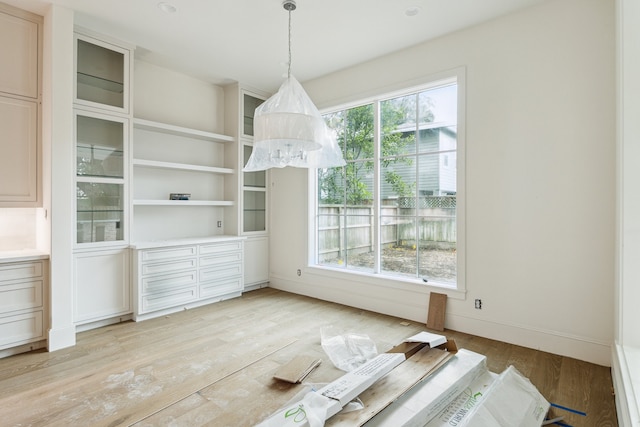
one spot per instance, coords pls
(213, 366)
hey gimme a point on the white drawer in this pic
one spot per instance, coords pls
(21, 328)
(183, 279)
(209, 274)
(221, 287)
(168, 299)
(167, 253)
(168, 266)
(21, 295)
(225, 258)
(220, 247)
(22, 270)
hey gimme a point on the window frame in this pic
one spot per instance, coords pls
(456, 290)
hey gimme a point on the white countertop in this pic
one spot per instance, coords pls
(180, 242)
(22, 255)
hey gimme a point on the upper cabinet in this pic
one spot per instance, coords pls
(101, 152)
(251, 186)
(102, 74)
(20, 100)
(20, 53)
(102, 131)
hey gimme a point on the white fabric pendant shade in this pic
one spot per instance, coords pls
(289, 131)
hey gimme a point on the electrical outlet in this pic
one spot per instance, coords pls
(479, 304)
(299, 272)
(219, 224)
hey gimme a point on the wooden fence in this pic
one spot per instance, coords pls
(350, 229)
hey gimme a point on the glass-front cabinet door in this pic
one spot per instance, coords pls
(101, 168)
(254, 203)
(254, 207)
(102, 74)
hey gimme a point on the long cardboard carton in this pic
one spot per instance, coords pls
(432, 394)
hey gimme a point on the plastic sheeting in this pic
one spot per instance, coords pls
(289, 131)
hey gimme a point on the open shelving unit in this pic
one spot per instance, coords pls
(172, 159)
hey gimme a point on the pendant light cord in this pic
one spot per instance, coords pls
(289, 6)
(289, 69)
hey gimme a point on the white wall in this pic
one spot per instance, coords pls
(166, 96)
(540, 136)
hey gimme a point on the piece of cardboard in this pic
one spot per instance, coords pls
(297, 369)
(437, 310)
(350, 385)
(426, 399)
(376, 398)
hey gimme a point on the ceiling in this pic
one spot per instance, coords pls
(223, 41)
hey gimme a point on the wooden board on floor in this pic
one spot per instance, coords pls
(437, 308)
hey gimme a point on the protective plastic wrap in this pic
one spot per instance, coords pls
(289, 131)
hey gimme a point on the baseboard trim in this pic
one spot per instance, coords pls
(61, 338)
(413, 307)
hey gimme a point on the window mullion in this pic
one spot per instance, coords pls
(376, 185)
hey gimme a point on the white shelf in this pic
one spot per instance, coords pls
(180, 131)
(182, 203)
(180, 166)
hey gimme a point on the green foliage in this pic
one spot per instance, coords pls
(355, 128)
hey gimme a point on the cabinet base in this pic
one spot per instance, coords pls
(176, 309)
(24, 348)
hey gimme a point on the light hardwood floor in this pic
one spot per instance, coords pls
(213, 366)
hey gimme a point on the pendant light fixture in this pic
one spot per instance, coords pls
(288, 129)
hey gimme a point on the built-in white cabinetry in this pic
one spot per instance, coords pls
(171, 160)
(101, 285)
(103, 73)
(20, 98)
(251, 213)
(179, 274)
(23, 296)
(101, 178)
(102, 125)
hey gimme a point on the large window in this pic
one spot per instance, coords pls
(394, 210)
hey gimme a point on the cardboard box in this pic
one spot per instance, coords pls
(365, 380)
(350, 385)
(455, 413)
(426, 399)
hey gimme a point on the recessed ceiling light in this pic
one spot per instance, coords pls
(166, 7)
(412, 10)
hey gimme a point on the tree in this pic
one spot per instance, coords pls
(355, 129)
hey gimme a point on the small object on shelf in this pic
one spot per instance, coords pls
(179, 196)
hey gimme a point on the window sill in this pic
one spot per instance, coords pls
(390, 282)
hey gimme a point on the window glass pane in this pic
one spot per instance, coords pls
(439, 105)
(438, 119)
(330, 236)
(398, 126)
(359, 183)
(359, 238)
(397, 245)
(437, 246)
(331, 187)
(357, 133)
(437, 174)
(414, 236)
(398, 181)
